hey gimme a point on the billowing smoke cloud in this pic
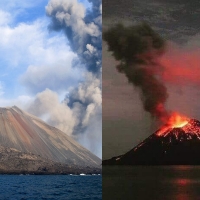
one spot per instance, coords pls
(80, 113)
(86, 103)
(138, 48)
(47, 106)
(82, 28)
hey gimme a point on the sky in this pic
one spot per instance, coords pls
(125, 123)
(50, 57)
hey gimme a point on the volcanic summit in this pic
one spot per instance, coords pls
(177, 144)
(29, 144)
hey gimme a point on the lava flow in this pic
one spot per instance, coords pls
(175, 121)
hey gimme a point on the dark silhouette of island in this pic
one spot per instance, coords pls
(175, 146)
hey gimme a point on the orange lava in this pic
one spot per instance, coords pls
(175, 121)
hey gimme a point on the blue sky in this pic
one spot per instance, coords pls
(37, 65)
(24, 32)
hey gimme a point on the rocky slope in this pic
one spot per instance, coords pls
(13, 161)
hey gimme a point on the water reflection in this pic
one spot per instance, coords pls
(181, 188)
(153, 183)
(184, 182)
(182, 197)
(181, 167)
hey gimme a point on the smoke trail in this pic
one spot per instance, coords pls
(138, 49)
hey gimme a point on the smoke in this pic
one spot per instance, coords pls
(80, 113)
(164, 72)
(82, 28)
(47, 106)
(86, 103)
(138, 48)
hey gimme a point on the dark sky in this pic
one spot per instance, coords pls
(125, 123)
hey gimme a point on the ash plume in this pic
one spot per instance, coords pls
(79, 114)
(86, 103)
(138, 49)
(82, 29)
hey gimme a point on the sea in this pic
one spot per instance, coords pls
(50, 187)
(151, 182)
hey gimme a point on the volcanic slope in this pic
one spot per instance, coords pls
(28, 134)
(172, 146)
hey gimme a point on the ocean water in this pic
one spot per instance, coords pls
(50, 187)
(151, 182)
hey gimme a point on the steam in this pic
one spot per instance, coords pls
(80, 113)
(138, 48)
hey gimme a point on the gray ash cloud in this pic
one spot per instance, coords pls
(82, 29)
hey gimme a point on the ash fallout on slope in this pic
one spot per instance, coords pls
(138, 49)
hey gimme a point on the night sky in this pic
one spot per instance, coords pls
(125, 123)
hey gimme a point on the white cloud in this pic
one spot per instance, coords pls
(43, 61)
(100, 8)
(16, 5)
(22, 101)
(5, 18)
(31, 43)
(57, 77)
(1, 89)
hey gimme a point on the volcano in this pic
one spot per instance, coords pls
(28, 143)
(170, 145)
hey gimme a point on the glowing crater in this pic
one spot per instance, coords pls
(175, 121)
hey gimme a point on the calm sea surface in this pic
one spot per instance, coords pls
(50, 187)
(152, 183)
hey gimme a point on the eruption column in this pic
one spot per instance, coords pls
(138, 48)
